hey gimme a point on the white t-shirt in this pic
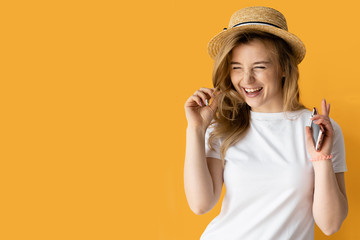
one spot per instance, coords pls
(269, 180)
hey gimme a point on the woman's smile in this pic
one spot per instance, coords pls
(252, 92)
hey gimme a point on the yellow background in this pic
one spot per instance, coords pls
(92, 109)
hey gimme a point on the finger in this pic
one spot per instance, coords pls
(192, 102)
(208, 91)
(316, 117)
(326, 124)
(197, 99)
(328, 109)
(323, 108)
(202, 96)
(322, 121)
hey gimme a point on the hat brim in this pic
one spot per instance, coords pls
(295, 43)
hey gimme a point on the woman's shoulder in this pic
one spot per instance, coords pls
(305, 114)
(304, 111)
(302, 114)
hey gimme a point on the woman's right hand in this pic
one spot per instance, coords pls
(197, 113)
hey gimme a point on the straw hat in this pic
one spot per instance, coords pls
(261, 18)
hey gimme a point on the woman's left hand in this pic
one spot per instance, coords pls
(323, 120)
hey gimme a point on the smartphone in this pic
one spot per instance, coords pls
(318, 132)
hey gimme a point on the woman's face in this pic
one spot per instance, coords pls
(256, 75)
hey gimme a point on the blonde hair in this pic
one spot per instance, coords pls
(232, 117)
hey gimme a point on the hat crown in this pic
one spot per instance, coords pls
(259, 14)
(257, 18)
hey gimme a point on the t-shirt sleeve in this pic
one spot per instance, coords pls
(338, 150)
(216, 145)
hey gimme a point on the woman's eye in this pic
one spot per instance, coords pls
(260, 67)
(236, 67)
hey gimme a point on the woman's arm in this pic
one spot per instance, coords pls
(202, 180)
(330, 206)
(198, 183)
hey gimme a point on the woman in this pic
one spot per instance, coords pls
(254, 138)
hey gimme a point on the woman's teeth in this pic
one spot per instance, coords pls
(252, 89)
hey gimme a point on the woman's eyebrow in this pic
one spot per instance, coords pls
(262, 62)
(259, 62)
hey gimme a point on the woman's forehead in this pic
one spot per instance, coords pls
(255, 48)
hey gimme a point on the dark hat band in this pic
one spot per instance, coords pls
(254, 23)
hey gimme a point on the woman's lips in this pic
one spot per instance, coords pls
(252, 94)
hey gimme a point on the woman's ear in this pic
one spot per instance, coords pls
(283, 76)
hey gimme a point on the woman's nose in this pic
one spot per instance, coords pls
(248, 77)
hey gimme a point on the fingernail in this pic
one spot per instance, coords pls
(207, 102)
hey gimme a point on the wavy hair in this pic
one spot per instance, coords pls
(232, 117)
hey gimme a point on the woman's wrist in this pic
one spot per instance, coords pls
(320, 157)
(197, 129)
